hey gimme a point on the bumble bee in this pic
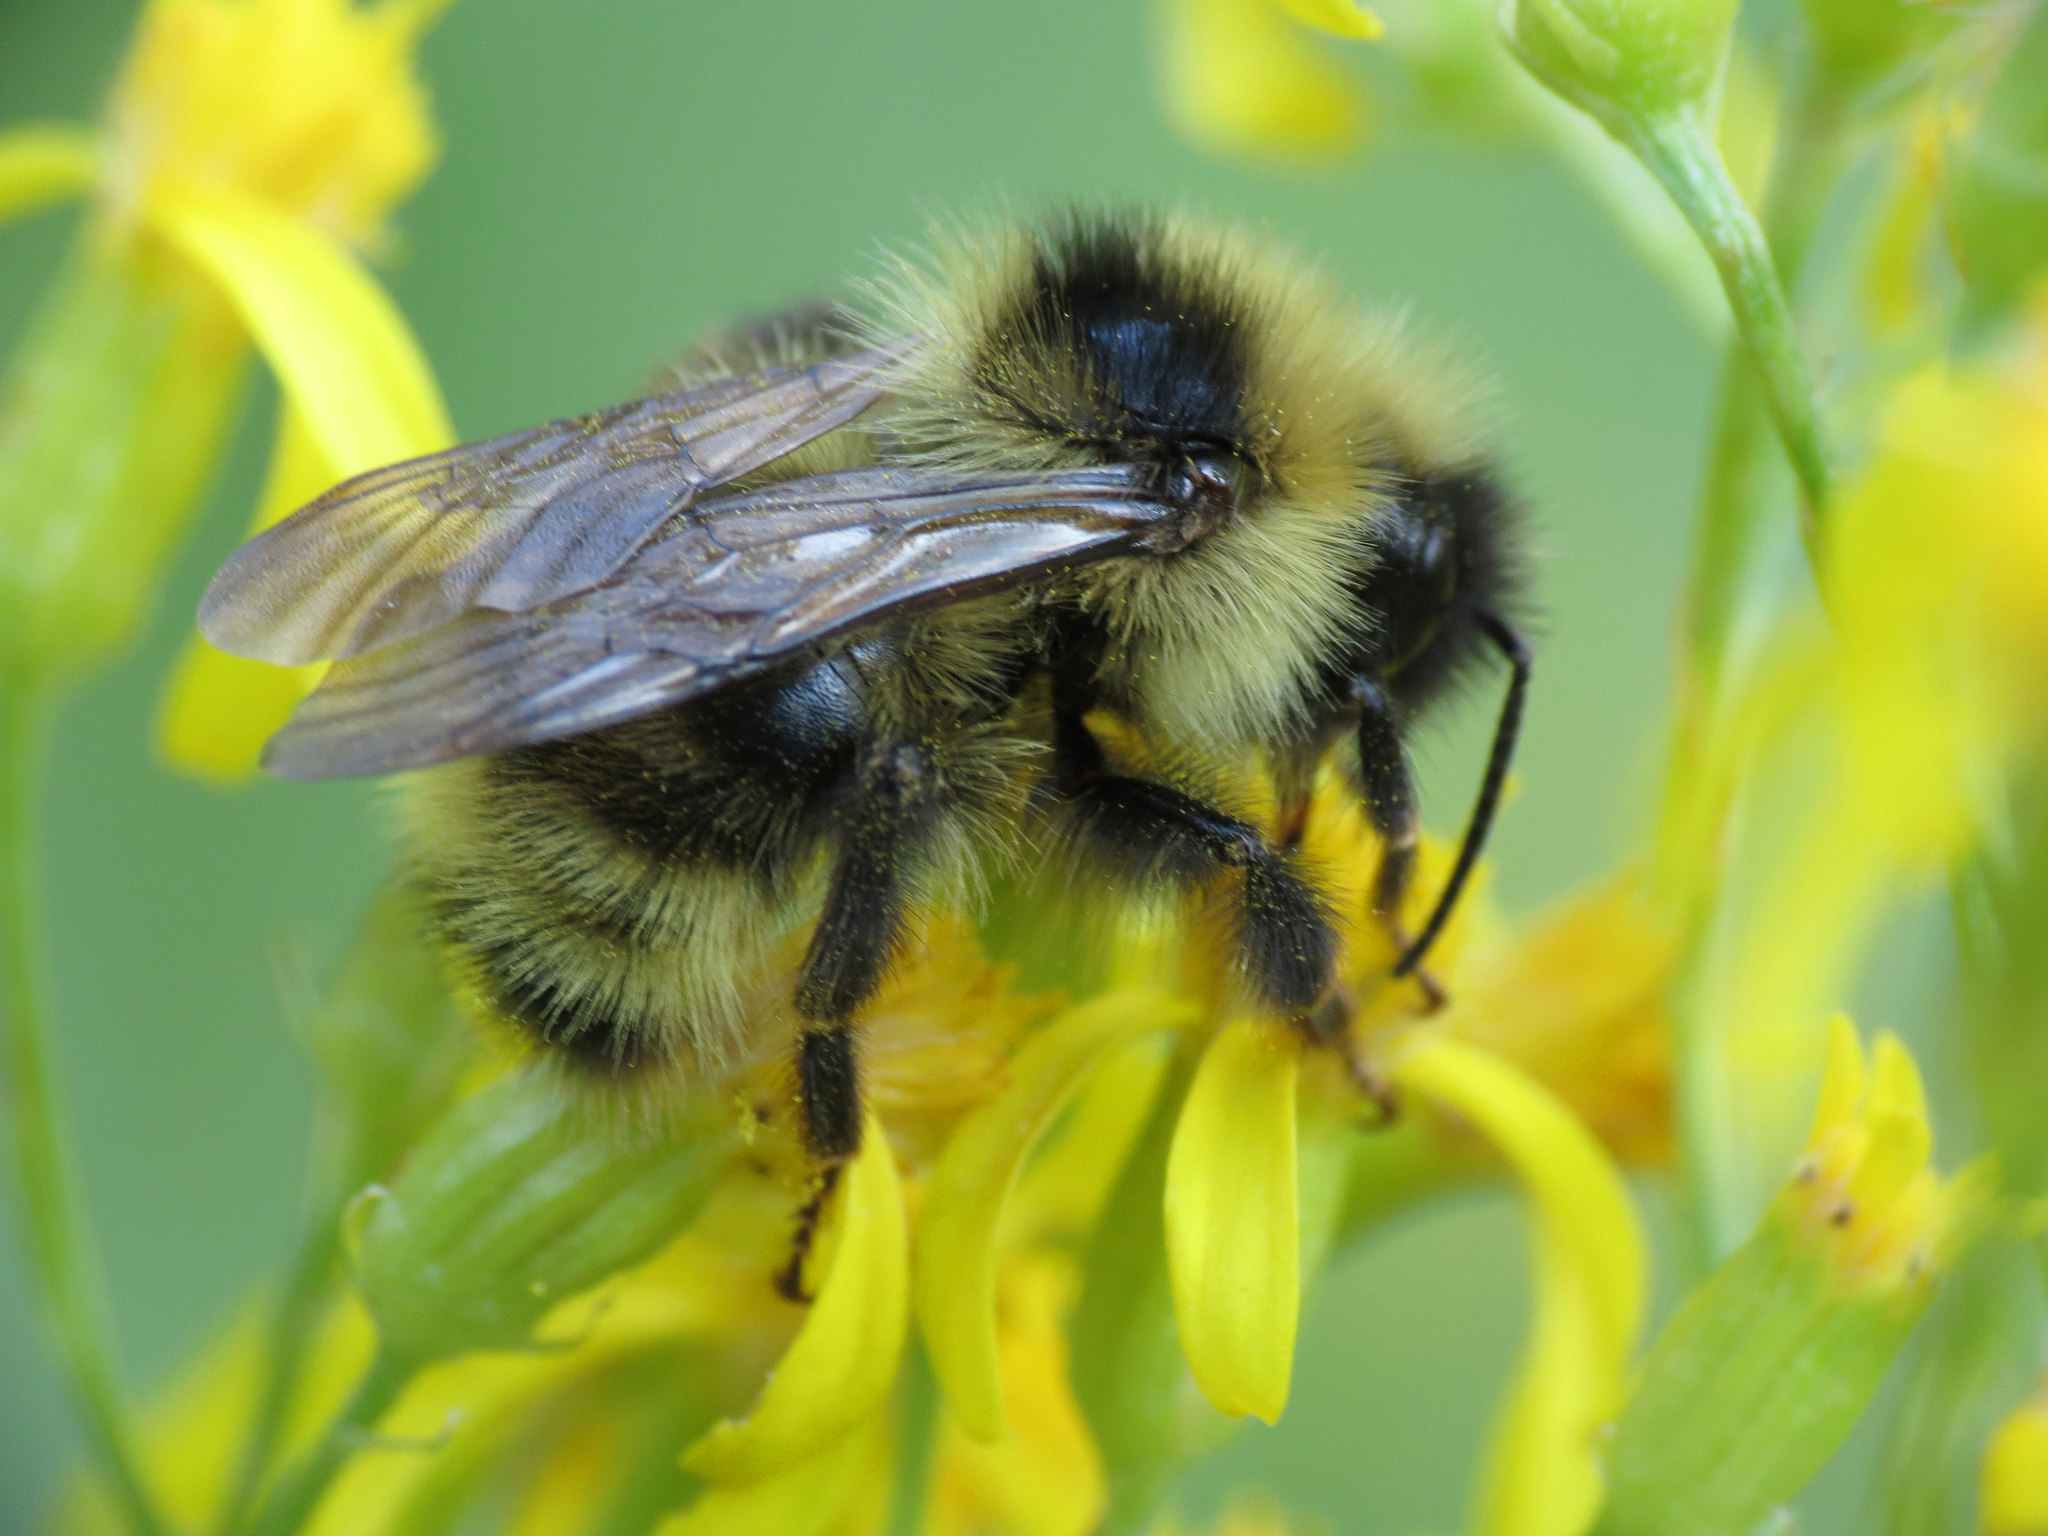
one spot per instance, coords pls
(798, 649)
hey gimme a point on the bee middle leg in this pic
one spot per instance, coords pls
(1391, 806)
(899, 797)
(1153, 831)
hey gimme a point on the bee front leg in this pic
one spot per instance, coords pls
(858, 932)
(1152, 833)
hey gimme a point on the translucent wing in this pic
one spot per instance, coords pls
(515, 523)
(738, 583)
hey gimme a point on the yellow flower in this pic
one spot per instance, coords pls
(1589, 1259)
(310, 105)
(2014, 1498)
(1865, 1191)
(1768, 1364)
(1008, 1135)
(1874, 749)
(1575, 998)
(1241, 78)
(252, 147)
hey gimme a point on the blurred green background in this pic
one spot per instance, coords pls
(619, 176)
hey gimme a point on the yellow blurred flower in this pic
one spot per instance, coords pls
(1768, 1363)
(1241, 77)
(311, 105)
(999, 1124)
(2014, 1496)
(1870, 751)
(1865, 1189)
(1575, 997)
(255, 145)
(1590, 1262)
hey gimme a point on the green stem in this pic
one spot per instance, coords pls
(1732, 502)
(294, 1499)
(1680, 154)
(917, 1440)
(60, 1248)
(1809, 162)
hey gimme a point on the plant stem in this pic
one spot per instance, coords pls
(1679, 153)
(300, 1491)
(1808, 163)
(1732, 502)
(60, 1248)
(918, 1439)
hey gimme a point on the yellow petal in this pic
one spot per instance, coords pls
(1342, 17)
(842, 1362)
(1543, 1473)
(811, 1498)
(970, 1187)
(1046, 1479)
(44, 163)
(1239, 78)
(2015, 1483)
(1062, 1190)
(218, 709)
(339, 346)
(1841, 1080)
(1233, 1219)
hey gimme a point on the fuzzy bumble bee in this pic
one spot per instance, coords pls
(810, 643)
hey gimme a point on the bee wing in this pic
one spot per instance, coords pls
(740, 582)
(517, 522)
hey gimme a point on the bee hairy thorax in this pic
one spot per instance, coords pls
(1111, 350)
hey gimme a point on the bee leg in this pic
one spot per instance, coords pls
(789, 1280)
(857, 935)
(1154, 833)
(1507, 731)
(1390, 804)
(1328, 1024)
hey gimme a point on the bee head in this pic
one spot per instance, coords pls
(1280, 422)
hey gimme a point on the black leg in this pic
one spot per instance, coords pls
(1505, 730)
(1152, 833)
(1391, 807)
(789, 1280)
(1389, 786)
(857, 936)
(828, 1084)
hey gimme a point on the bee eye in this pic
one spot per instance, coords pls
(1209, 484)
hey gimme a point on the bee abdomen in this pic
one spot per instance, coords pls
(564, 981)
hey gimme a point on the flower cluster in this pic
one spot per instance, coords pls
(1048, 1187)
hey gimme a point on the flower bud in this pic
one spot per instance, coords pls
(1624, 60)
(115, 406)
(519, 1198)
(1768, 1364)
